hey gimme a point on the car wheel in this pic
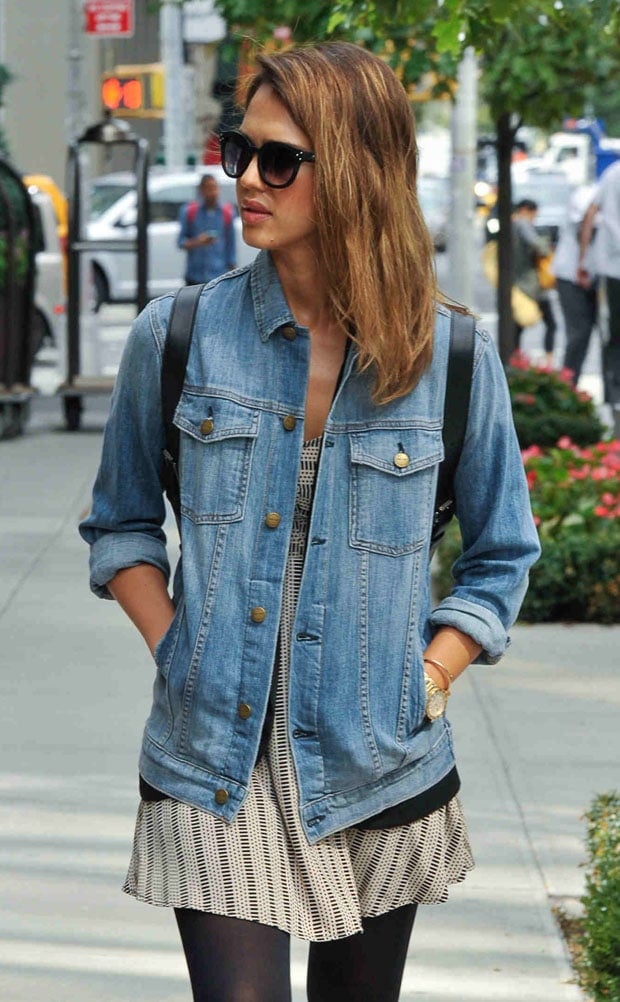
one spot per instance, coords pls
(101, 290)
(72, 407)
(41, 333)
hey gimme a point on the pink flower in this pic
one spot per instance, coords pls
(583, 397)
(532, 477)
(533, 452)
(608, 498)
(537, 520)
(566, 375)
(603, 512)
(600, 473)
(565, 443)
(519, 360)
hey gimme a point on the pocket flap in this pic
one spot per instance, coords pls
(212, 419)
(398, 453)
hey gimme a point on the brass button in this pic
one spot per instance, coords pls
(289, 333)
(258, 614)
(401, 460)
(221, 796)
(289, 422)
(272, 520)
(207, 426)
(244, 710)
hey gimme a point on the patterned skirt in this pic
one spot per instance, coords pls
(261, 867)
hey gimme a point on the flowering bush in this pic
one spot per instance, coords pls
(573, 486)
(546, 405)
(575, 496)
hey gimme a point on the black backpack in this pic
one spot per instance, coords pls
(456, 405)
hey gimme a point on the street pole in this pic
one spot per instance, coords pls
(76, 98)
(171, 42)
(462, 251)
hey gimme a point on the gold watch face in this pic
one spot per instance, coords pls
(436, 704)
(436, 699)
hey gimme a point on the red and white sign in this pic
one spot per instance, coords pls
(109, 18)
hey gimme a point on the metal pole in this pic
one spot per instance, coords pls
(171, 42)
(2, 53)
(76, 98)
(462, 236)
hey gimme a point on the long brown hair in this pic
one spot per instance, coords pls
(375, 247)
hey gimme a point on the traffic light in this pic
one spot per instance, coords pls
(122, 93)
(134, 91)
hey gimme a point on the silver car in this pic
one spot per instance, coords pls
(113, 211)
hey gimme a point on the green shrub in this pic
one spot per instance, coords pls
(598, 962)
(546, 406)
(576, 504)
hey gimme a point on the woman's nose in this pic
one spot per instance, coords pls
(251, 177)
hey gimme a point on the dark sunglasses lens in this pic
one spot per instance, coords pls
(236, 155)
(278, 164)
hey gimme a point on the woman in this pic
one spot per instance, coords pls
(311, 436)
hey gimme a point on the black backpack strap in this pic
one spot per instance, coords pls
(456, 408)
(173, 365)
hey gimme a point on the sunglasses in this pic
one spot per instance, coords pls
(278, 163)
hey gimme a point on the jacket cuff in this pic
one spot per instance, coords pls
(478, 622)
(117, 550)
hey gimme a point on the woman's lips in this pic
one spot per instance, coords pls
(254, 212)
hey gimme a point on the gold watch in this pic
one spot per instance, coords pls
(436, 698)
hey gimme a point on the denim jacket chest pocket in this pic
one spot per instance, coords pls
(391, 491)
(216, 446)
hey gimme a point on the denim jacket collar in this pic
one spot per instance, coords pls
(271, 310)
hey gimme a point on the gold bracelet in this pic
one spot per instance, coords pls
(447, 677)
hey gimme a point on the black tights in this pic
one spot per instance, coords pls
(231, 960)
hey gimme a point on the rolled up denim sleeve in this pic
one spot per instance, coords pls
(124, 526)
(500, 541)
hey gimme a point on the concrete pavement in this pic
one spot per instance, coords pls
(536, 738)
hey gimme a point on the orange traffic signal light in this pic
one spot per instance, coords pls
(134, 90)
(122, 93)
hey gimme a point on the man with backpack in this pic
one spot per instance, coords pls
(207, 234)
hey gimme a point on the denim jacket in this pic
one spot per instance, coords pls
(358, 731)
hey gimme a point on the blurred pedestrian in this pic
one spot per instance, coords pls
(311, 435)
(577, 299)
(528, 248)
(604, 215)
(207, 234)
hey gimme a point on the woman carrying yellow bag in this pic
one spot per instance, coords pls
(529, 250)
(525, 310)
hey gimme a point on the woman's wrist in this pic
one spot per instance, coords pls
(445, 674)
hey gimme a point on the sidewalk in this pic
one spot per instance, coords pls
(536, 738)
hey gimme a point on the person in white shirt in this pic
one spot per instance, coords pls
(604, 213)
(577, 300)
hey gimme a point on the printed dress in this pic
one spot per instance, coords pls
(261, 867)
